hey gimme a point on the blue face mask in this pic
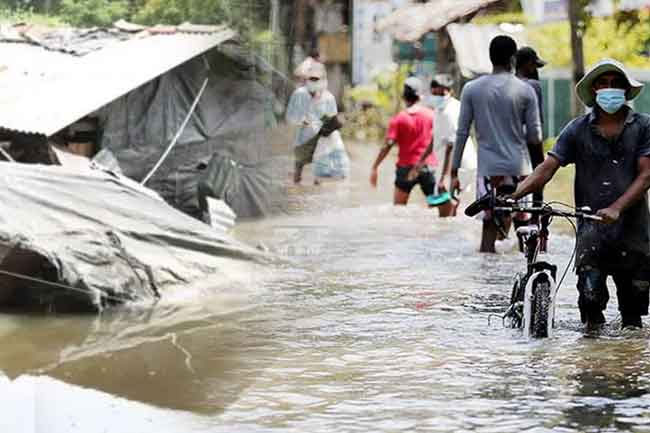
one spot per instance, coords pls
(437, 101)
(610, 100)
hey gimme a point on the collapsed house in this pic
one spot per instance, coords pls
(81, 235)
(128, 89)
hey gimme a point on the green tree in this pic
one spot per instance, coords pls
(88, 13)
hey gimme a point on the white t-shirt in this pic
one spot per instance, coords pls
(444, 133)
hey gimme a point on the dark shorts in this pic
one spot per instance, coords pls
(426, 178)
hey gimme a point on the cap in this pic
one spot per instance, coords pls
(527, 54)
(415, 84)
(585, 90)
(311, 68)
(442, 80)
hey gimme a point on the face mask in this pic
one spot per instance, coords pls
(315, 86)
(610, 100)
(437, 100)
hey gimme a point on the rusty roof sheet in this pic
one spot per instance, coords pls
(44, 88)
(411, 22)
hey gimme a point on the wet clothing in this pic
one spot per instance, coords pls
(426, 179)
(505, 115)
(630, 273)
(411, 129)
(303, 106)
(605, 169)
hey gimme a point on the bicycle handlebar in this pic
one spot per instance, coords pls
(548, 210)
(488, 201)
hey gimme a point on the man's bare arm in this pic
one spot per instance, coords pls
(540, 177)
(380, 157)
(536, 150)
(413, 173)
(446, 164)
(382, 154)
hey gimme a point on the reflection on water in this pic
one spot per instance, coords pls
(377, 322)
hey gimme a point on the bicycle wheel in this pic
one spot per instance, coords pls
(540, 304)
(514, 315)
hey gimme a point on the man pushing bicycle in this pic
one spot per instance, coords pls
(610, 147)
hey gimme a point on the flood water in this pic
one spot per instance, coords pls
(379, 320)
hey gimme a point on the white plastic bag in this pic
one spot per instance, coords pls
(330, 158)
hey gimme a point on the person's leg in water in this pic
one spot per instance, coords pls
(297, 172)
(632, 293)
(495, 225)
(447, 210)
(400, 197)
(592, 297)
(403, 186)
(488, 236)
(427, 180)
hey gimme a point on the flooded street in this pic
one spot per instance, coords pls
(379, 321)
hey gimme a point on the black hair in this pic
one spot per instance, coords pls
(410, 95)
(502, 48)
(434, 83)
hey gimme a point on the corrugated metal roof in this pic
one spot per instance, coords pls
(411, 22)
(472, 45)
(43, 91)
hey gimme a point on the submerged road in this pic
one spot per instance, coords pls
(378, 322)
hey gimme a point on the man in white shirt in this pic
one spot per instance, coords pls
(446, 111)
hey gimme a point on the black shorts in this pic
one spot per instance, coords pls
(426, 178)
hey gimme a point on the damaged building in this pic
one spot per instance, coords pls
(170, 116)
(128, 89)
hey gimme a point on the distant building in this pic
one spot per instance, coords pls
(319, 26)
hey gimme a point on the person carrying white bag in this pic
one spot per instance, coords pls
(310, 107)
(330, 158)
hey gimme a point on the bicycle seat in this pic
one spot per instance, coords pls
(479, 205)
(527, 231)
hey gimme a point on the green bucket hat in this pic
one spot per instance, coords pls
(584, 88)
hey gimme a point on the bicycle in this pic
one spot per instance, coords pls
(532, 299)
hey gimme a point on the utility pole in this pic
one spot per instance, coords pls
(275, 17)
(274, 28)
(577, 21)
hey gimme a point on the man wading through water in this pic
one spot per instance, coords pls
(411, 130)
(308, 106)
(446, 111)
(610, 148)
(505, 115)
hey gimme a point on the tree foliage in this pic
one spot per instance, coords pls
(90, 13)
(624, 36)
(370, 106)
(248, 17)
(625, 40)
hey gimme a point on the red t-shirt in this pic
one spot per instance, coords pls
(412, 130)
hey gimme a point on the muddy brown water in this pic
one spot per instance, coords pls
(378, 321)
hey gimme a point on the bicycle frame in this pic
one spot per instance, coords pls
(532, 301)
(519, 312)
(539, 281)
